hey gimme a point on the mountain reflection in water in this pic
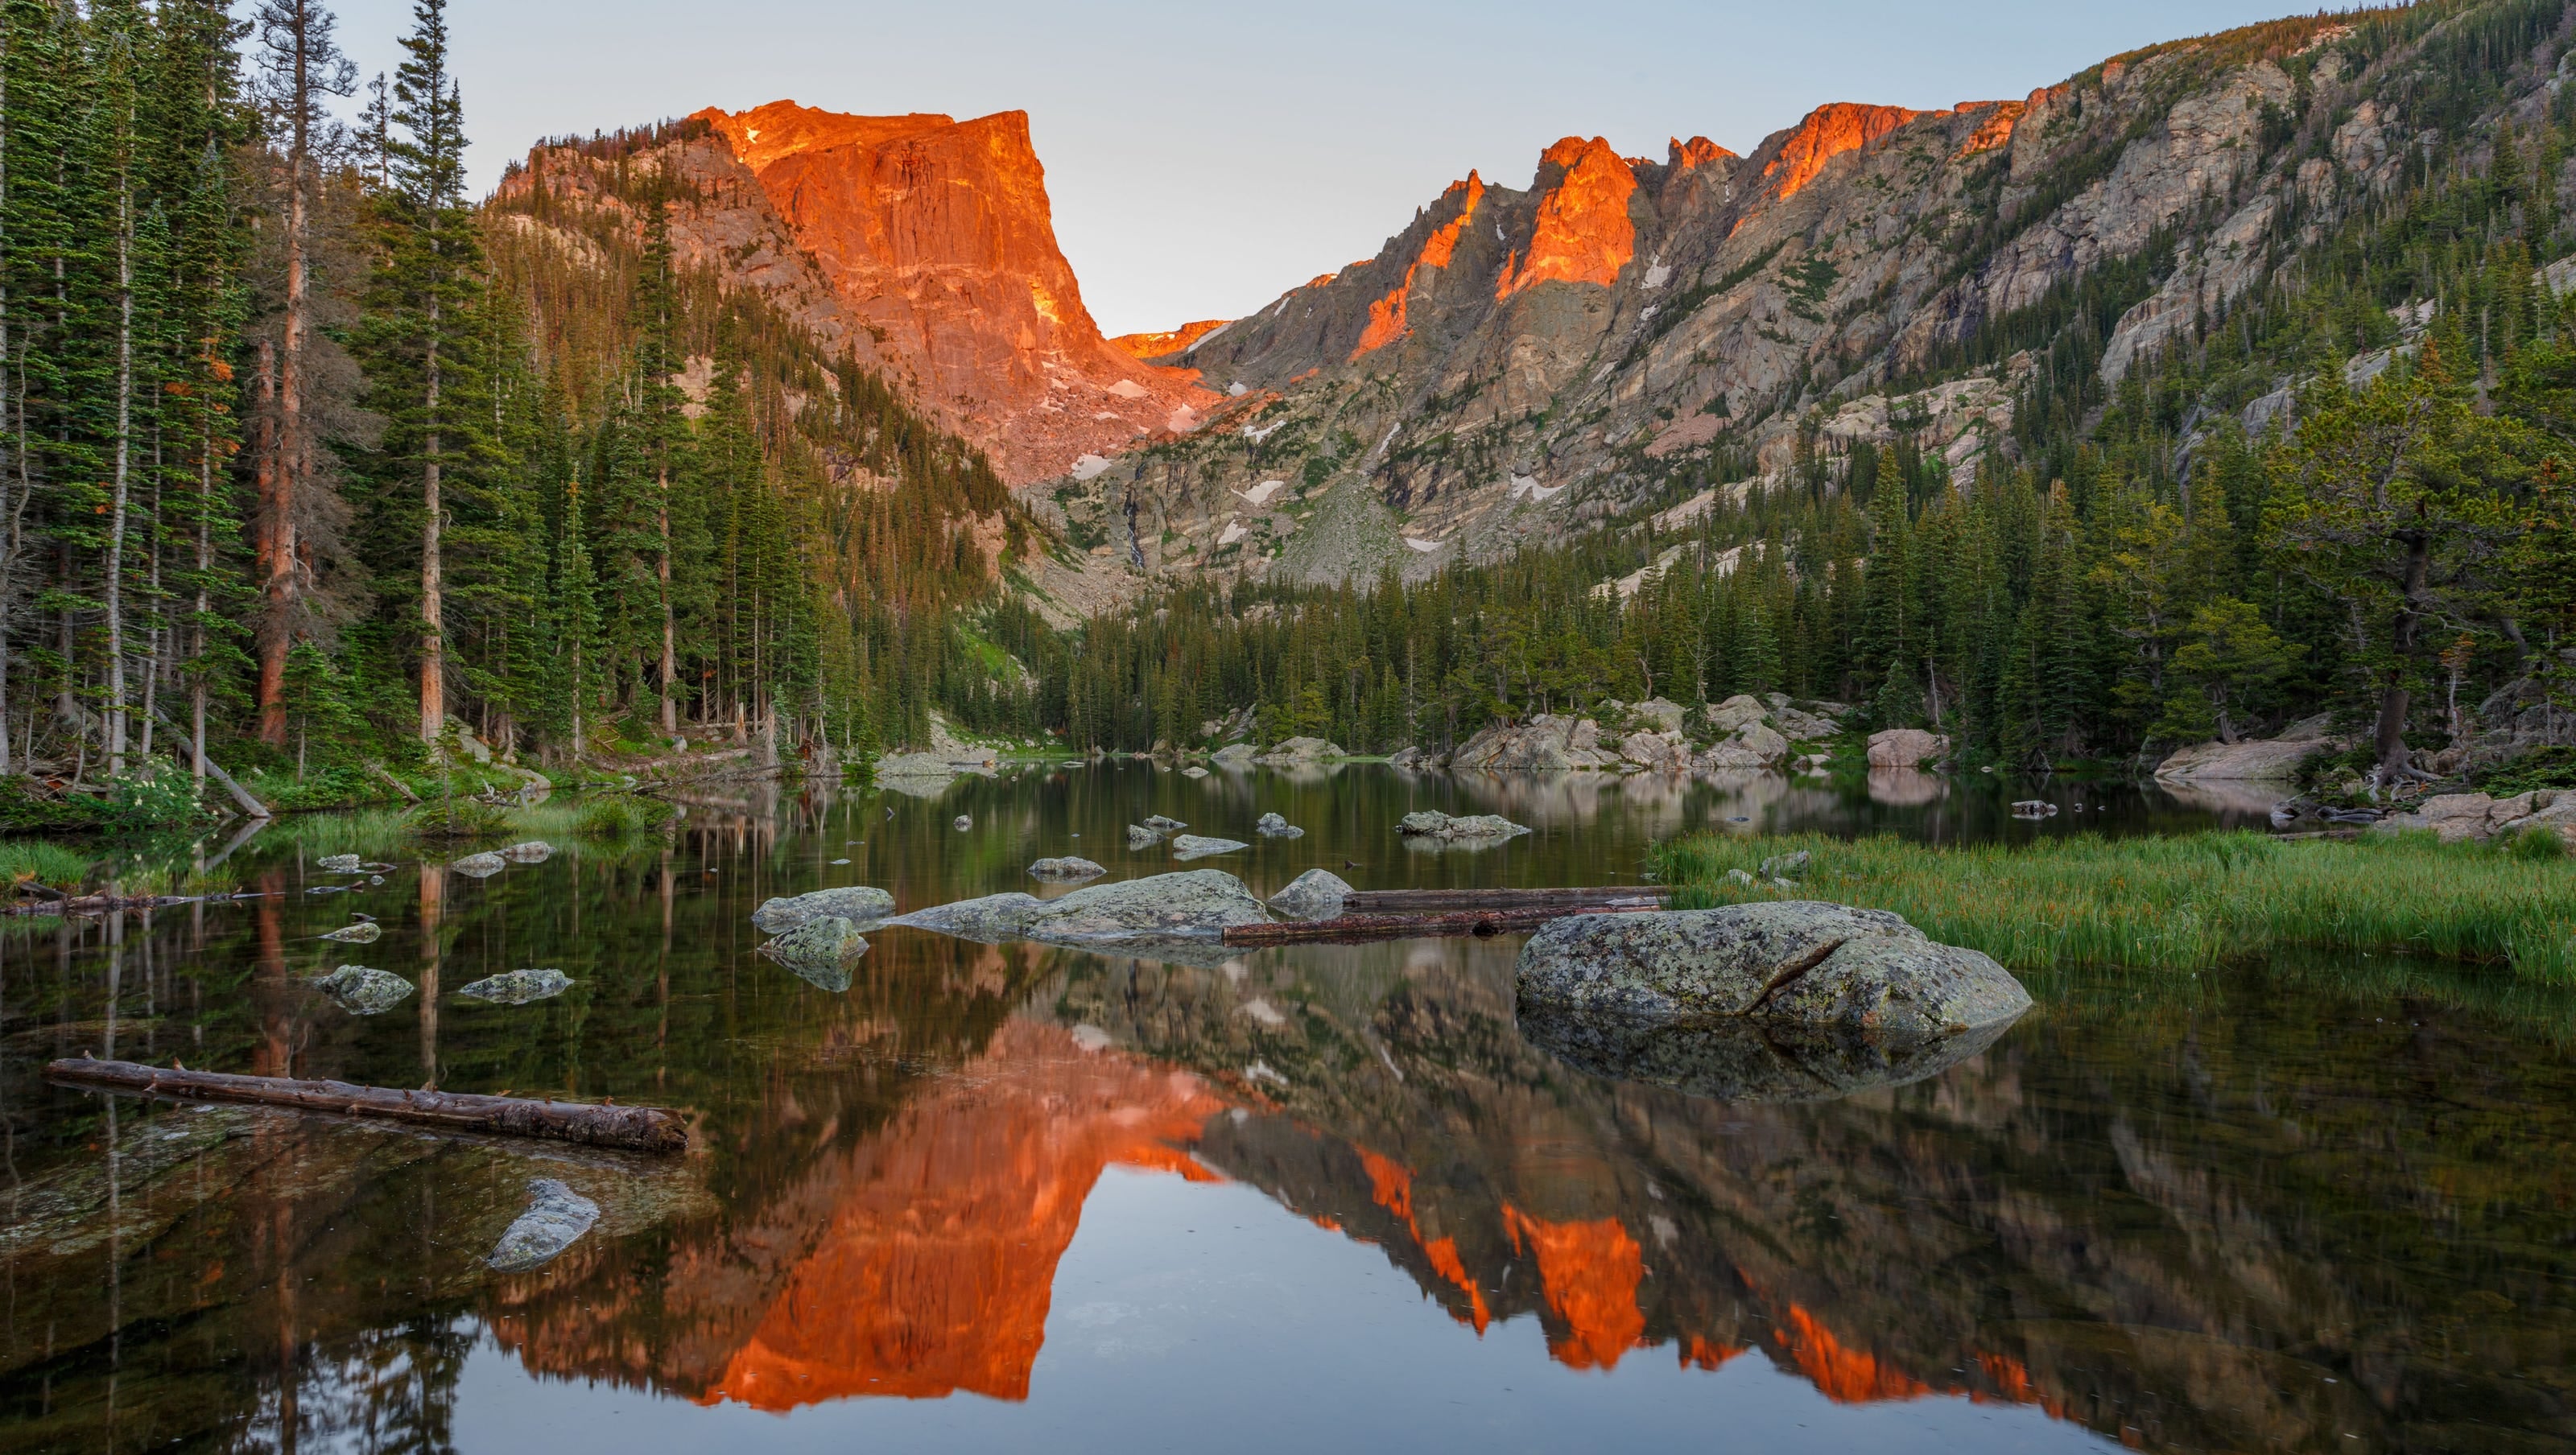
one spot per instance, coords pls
(2307, 1209)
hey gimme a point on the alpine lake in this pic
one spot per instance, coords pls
(1307, 1198)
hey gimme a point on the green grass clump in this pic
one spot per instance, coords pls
(2182, 903)
(454, 819)
(52, 865)
(615, 815)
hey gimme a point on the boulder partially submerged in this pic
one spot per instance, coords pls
(1315, 894)
(1140, 837)
(1443, 827)
(1746, 1060)
(518, 987)
(534, 851)
(860, 904)
(338, 863)
(819, 951)
(480, 866)
(1192, 904)
(1192, 846)
(1272, 826)
(362, 991)
(1068, 870)
(1862, 970)
(556, 1218)
(364, 932)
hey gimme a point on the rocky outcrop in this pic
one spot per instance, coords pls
(2477, 817)
(1303, 750)
(858, 903)
(1665, 752)
(1821, 964)
(1315, 894)
(1543, 744)
(1066, 870)
(1906, 748)
(2260, 760)
(1440, 826)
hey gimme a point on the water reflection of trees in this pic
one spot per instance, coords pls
(2247, 1214)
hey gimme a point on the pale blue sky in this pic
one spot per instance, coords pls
(1203, 158)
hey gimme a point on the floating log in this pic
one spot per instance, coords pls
(100, 904)
(637, 1128)
(1354, 929)
(1443, 901)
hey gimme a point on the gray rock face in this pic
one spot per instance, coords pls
(1315, 894)
(1272, 826)
(556, 1218)
(480, 866)
(819, 951)
(1744, 1060)
(1235, 755)
(1906, 748)
(1434, 825)
(1065, 870)
(534, 851)
(518, 987)
(2481, 817)
(1796, 960)
(1192, 846)
(915, 766)
(1662, 752)
(2261, 760)
(338, 863)
(361, 991)
(1303, 750)
(858, 903)
(1728, 717)
(365, 932)
(1659, 716)
(1544, 744)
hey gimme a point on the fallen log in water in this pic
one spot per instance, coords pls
(1564, 901)
(102, 904)
(639, 1128)
(1353, 929)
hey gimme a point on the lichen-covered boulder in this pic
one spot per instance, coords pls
(1272, 826)
(1192, 846)
(1315, 894)
(990, 919)
(1067, 870)
(556, 1218)
(518, 987)
(364, 932)
(860, 904)
(819, 951)
(1304, 750)
(1794, 960)
(534, 851)
(361, 991)
(1435, 825)
(480, 866)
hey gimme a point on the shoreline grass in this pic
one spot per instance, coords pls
(2181, 903)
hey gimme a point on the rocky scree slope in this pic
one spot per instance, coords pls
(1518, 365)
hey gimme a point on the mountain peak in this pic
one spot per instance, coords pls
(1826, 133)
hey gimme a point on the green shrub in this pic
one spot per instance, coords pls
(614, 815)
(455, 819)
(165, 800)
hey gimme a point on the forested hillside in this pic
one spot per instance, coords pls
(2336, 479)
(311, 458)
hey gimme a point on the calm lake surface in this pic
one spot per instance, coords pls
(1321, 1198)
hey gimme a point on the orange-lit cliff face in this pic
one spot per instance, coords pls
(1583, 233)
(1828, 132)
(936, 1270)
(936, 240)
(1387, 315)
(1169, 341)
(1590, 1271)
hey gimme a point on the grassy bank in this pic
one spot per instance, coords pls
(2181, 903)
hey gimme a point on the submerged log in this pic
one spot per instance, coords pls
(639, 1128)
(1354, 929)
(1443, 901)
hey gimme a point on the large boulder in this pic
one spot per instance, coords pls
(2478, 817)
(1656, 715)
(1544, 744)
(1303, 750)
(819, 951)
(1800, 727)
(1725, 718)
(1795, 960)
(860, 904)
(1762, 742)
(362, 991)
(1664, 752)
(518, 987)
(1315, 894)
(2256, 760)
(1235, 755)
(1906, 748)
(1191, 904)
(479, 866)
(1731, 758)
(1434, 825)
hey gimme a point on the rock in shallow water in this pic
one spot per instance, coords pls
(1191, 846)
(1796, 960)
(1736, 1059)
(819, 951)
(518, 987)
(1162, 825)
(361, 991)
(1473, 826)
(1065, 870)
(480, 866)
(857, 903)
(1315, 894)
(364, 932)
(556, 1218)
(1272, 826)
(534, 851)
(1193, 904)
(338, 863)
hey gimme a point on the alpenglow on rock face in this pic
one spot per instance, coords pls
(858, 903)
(1823, 964)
